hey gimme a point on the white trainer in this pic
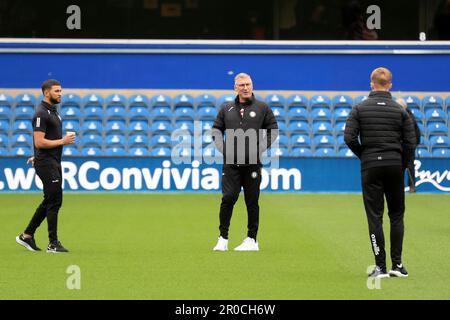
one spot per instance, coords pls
(249, 244)
(222, 244)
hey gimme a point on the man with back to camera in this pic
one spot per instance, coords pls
(48, 144)
(386, 146)
(243, 122)
(411, 172)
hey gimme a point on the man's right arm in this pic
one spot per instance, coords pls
(351, 133)
(218, 130)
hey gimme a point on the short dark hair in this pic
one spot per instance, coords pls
(48, 84)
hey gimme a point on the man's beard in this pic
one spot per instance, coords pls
(53, 100)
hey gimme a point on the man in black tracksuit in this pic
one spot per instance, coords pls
(385, 146)
(411, 172)
(244, 123)
(48, 144)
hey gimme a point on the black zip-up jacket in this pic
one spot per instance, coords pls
(385, 131)
(247, 136)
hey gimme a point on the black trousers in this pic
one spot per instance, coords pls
(233, 178)
(51, 176)
(378, 183)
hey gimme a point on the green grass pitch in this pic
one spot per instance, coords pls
(159, 246)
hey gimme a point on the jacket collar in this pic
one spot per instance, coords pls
(247, 103)
(49, 106)
(380, 94)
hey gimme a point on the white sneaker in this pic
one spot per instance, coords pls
(249, 244)
(222, 245)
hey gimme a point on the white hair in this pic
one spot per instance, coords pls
(241, 75)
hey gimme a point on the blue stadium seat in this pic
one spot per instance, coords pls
(117, 126)
(299, 126)
(302, 140)
(93, 112)
(275, 100)
(423, 153)
(22, 139)
(424, 141)
(279, 112)
(138, 140)
(301, 152)
(91, 152)
(298, 113)
(413, 102)
(70, 151)
(225, 99)
(319, 101)
(4, 140)
(184, 112)
(435, 115)
(340, 140)
(92, 126)
(138, 112)
(341, 113)
(138, 126)
(297, 100)
(4, 152)
(185, 139)
(160, 152)
(432, 102)
(205, 100)
(441, 152)
(161, 100)
(22, 126)
(418, 115)
(183, 152)
(322, 127)
(92, 139)
(184, 106)
(184, 125)
(25, 100)
(71, 99)
(21, 151)
(437, 128)
(360, 99)
(206, 112)
(207, 139)
(440, 141)
(207, 125)
(283, 141)
(24, 112)
(162, 113)
(346, 152)
(4, 125)
(138, 152)
(325, 152)
(279, 152)
(115, 152)
(161, 126)
(6, 105)
(447, 104)
(116, 112)
(115, 100)
(138, 100)
(115, 140)
(282, 128)
(92, 100)
(161, 140)
(323, 140)
(70, 112)
(320, 114)
(71, 125)
(339, 127)
(342, 101)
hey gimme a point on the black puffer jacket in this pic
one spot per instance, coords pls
(385, 131)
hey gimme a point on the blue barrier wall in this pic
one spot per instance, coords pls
(161, 175)
(273, 67)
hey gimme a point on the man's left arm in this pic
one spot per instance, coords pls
(271, 125)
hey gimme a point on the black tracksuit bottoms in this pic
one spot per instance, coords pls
(378, 182)
(51, 176)
(233, 178)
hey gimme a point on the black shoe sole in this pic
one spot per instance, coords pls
(397, 274)
(26, 245)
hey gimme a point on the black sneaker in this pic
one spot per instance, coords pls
(379, 273)
(398, 271)
(28, 243)
(56, 247)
